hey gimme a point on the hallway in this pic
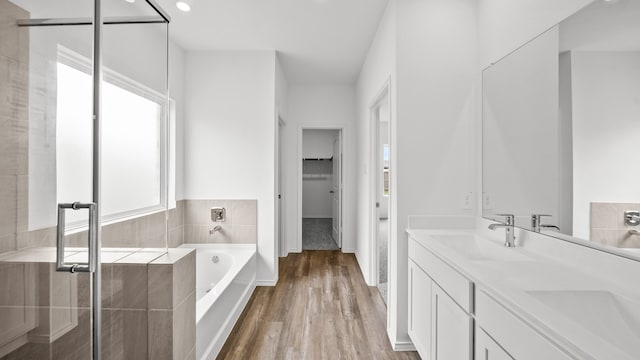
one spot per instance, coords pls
(320, 309)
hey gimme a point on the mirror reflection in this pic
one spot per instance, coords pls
(561, 129)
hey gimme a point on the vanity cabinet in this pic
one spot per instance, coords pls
(487, 349)
(420, 309)
(517, 338)
(440, 324)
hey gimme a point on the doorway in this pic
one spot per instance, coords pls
(381, 150)
(321, 189)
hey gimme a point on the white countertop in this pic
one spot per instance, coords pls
(550, 296)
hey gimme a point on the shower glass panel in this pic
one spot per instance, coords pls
(48, 156)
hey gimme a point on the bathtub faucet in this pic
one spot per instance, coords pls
(215, 229)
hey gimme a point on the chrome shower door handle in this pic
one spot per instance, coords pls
(61, 265)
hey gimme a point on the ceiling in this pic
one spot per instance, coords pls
(318, 41)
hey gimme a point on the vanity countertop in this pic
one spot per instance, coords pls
(591, 317)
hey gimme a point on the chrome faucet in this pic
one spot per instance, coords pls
(537, 225)
(508, 228)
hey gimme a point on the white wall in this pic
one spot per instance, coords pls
(436, 95)
(606, 130)
(320, 107)
(230, 128)
(318, 143)
(433, 101)
(316, 199)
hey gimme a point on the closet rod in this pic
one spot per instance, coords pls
(317, 159)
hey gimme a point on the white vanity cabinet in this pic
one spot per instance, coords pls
(514, 335)
(440, 299)
(487, 349)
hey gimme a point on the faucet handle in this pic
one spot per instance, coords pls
(537, 218)
(508, 217)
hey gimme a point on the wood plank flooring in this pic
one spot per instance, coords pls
(320, 309)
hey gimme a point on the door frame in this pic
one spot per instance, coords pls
(341, 130)
(280, 188)
(383, 93)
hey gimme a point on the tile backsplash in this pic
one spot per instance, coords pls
(240, 226)
(189, 222)
(608, 227)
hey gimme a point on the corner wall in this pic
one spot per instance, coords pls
(230, 127)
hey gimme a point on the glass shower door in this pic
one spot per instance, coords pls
(44, 313)
(65, 181)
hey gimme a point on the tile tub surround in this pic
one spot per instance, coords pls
(148, 305)
(146, 231)
(240, 226)
(608, 227)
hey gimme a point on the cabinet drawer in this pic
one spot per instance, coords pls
(456, 285)
(516, 337)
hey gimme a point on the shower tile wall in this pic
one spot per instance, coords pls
(239, 228)
(14, 167)
(608, 227)
(147, 231)
(148, 309)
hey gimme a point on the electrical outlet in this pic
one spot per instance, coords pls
(467, 202)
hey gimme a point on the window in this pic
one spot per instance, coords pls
(133, 142)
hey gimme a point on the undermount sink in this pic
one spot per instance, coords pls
(478, 249)
(611, 317)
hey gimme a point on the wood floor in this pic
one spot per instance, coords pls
(320, 309)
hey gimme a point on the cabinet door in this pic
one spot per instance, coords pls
(420, 309)
(487, 349)
(452, 328)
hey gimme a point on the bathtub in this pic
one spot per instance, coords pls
(225, 280)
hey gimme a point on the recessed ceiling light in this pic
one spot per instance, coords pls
(130, 1)
(183, 5)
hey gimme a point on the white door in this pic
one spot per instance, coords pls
(336, 191)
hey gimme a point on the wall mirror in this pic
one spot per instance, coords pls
(561, 130)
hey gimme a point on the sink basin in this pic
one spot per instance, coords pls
(611, 317)
(478, 249)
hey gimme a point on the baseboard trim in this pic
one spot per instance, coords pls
(348, 251)
(403, 346)
(266, 282)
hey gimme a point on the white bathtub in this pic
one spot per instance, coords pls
(223, 289)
